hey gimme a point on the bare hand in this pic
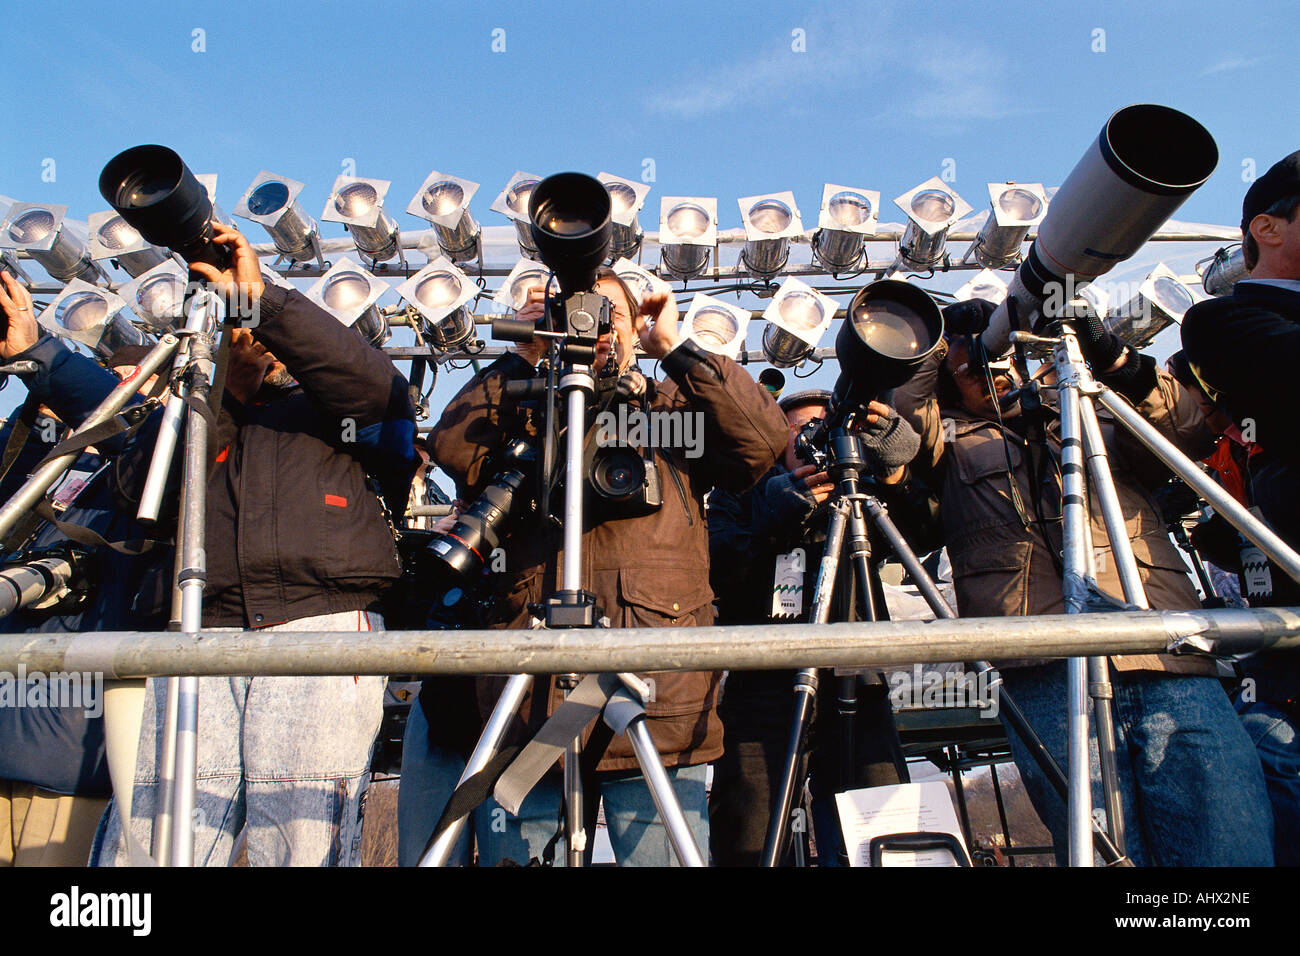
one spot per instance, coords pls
(247, 366)
(22, 331)
(817, 483)
(661, 337)
(533, 309)
(241, 283)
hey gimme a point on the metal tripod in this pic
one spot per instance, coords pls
(624, 709)
(1082, 446)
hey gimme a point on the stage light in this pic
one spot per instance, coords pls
(112, 237)
(209, 183)
(931, 209)
(797, 317)
(158, 296)
(42, 231)
(444, 201)
(688, 231)
(626, 197)
(986, 284)
(272, 202)
(9, 259)
(513, 204)
(439, 293)
(771, 221)
(716, 326)
(527, 274)
(348, 292)
(847, 217)
(1161, 301)
(1224, 271)
(1016, 207)
(358, 203)
(641, 281)
(92, 316)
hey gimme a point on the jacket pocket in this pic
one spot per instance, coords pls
(671, 597)
(992, 580)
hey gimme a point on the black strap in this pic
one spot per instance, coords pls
(127, 420)
(83, 535)
(467, 797)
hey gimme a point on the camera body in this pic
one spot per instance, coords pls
(623, 482)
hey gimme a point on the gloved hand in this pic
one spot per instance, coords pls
(1100, 346)
(967, 318)
(889, 440)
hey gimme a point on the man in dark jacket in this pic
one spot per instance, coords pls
(754, 537)
(1179, 748)
(296, 539)
(651, 570)
(1245, 349)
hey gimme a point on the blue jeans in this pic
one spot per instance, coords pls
(1190, 783)
(1278, 745)
(636, 834)
(286, 760)
(429, 775)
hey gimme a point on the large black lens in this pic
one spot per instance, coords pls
(617, 473)
(571, 228)
(890, 330)
(153, 190)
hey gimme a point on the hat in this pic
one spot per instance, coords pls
(809, 396)
(1281, 180)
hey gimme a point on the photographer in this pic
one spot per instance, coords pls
(296, 540)
(54, 783)
(1244, 348)
(646, 570)
(751, 535)
(1178, 745)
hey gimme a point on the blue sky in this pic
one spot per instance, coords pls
(715, 95)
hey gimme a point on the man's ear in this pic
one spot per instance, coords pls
(1267, 230)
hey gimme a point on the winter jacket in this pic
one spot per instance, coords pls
(645, 571)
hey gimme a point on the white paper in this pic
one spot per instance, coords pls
(901, 808)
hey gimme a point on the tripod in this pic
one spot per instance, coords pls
(847, 511)
(621, 699)
(1081, 439)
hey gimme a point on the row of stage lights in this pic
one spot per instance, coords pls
(440, 292)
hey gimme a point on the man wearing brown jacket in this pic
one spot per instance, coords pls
(1193, 792)
(648, 570)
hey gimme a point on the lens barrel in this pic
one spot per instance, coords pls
(571, 228)
(153, 190)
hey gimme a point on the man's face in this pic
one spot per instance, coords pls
(621, 340)
(972, 384)
(797, 417)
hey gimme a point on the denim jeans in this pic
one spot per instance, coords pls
(1190, 783)
(1278, 745)
(284, 759)
(636, 834)
(429, 775)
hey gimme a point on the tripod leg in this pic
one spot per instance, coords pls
(489, 742)
(1074, 515)
(626, 715)
(778, 827)
(805, 688)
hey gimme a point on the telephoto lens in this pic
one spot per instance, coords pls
(892, 327)
(155, 192)
(465, 549)
(571, 228)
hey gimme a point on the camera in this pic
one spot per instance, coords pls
(572, 230)
(155, 192)
(625, 484)
(465, 549)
